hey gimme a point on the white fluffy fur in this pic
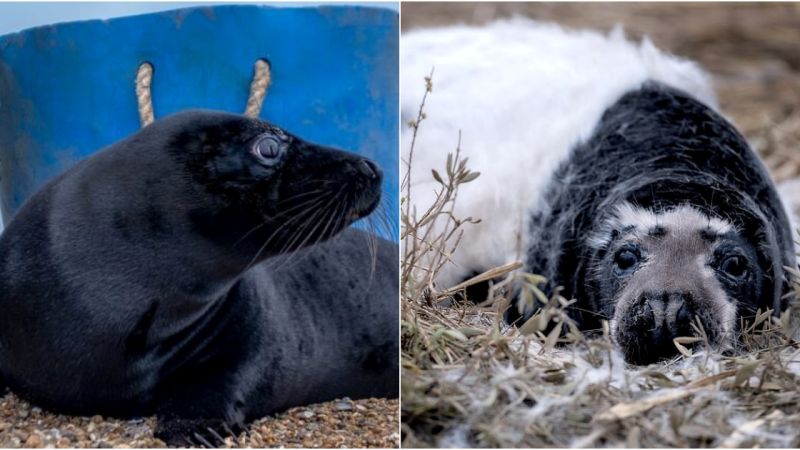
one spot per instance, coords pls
(523, 94)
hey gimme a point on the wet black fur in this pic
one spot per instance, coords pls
(174, 273)
(657, 147)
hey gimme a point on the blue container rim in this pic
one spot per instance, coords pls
(7, 38)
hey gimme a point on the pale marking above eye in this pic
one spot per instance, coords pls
(680, 219)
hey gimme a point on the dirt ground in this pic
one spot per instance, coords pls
(370, 423)
(752, 51)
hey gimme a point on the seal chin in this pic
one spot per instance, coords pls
(364, 207)
(364, 189)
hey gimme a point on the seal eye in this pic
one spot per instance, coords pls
(268, 149)
(626, 260)
(734, 266)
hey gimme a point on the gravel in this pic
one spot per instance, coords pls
(342, 423)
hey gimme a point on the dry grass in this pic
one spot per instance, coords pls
(470, 380)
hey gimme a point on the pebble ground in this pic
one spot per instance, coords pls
(370, 423)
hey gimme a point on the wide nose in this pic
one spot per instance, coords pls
(658, 318)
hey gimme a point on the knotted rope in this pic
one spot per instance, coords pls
(262, 77)
(258, 89)
(144, 78)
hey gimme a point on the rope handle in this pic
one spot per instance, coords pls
(144, 78)
(262, 78)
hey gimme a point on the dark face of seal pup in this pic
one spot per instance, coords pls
(663, 217)
(162, 275)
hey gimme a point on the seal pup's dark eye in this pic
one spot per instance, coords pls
(734, 266)
(268, 149)
(626, 260)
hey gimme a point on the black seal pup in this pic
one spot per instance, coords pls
(201, 269)
(606, 169)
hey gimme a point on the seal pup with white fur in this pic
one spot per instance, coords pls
(606, 168)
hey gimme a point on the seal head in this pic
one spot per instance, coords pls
(678, 273)
(260, 175)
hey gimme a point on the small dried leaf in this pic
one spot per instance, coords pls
(684, 351)
(533, 278)
(675, 419)
(662, 380)
(578, 417)
(436, 335)
(552, 338)
(761, 317)
(771, 386)
(554, 375)
(469, 177)
(539, 294)
(457, 335)
(785, 323)
(527, 302)
(745, 372)
(436, 176)
(470, 332)
(687, 340)
(449, 166)
(533, 325)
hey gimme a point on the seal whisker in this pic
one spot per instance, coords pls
(275, 233)
(300, 229)
(317, 192)
(204, 441)
(340, 219)
(293, 258)
(322, 211)
(309, 203)
(216, 435)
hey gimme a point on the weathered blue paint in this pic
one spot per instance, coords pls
(67, 90)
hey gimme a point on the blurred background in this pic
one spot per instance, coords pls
(752, 51)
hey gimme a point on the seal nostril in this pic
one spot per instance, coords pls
(684, 314)
(368, 168)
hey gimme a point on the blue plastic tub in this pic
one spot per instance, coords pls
(67, 90)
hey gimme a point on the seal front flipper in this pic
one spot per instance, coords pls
(197, 413)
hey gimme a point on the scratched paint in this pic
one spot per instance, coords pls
(67, 90)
